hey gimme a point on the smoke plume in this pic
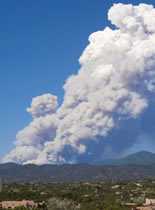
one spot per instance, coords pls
(115, 83)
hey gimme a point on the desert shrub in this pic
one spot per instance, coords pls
(65, 204)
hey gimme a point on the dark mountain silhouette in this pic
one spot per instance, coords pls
(140, 165)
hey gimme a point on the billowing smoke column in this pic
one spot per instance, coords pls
(115, 83)
(43, 105)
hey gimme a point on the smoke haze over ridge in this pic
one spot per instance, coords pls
(115, 84)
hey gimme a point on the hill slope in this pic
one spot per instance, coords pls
(136, 166)
(71, 173)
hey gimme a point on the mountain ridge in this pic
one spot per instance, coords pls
(128, 168)
(138, 158)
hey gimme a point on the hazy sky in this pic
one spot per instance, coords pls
(40, 43)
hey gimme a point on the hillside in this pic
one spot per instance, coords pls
(67, 173)
(136, 166)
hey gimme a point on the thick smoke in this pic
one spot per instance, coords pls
(43, 105)
(115, 83)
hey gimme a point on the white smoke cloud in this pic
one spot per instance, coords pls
(115, 82)
(32, 139)
(43, 105)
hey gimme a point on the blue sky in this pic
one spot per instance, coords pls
(40, 43)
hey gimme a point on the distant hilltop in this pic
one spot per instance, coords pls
(139, 158)
(136, 166)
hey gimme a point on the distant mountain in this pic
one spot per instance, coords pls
(74, 173)
(140, 165)
(139, 158)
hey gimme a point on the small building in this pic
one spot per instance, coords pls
(145, 208)
(149, 202)
(14, 204)
(148, 205)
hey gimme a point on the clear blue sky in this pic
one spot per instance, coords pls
(40, 43)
